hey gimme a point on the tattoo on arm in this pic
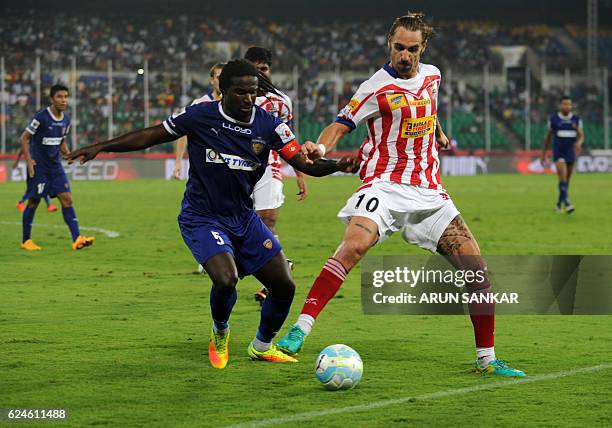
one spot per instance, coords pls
(456, 234)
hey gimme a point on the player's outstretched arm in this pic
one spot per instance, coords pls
(330, 136)
(323, 167)
(179, 152)
(131, 142)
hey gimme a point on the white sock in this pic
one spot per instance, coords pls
(485, 355)
(261, 346)
(305, 322)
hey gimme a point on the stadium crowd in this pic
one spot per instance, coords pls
(315, 49)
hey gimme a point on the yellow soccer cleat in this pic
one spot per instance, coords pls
(218, 349)
(82, 242)
(272, 355)
(29, 245)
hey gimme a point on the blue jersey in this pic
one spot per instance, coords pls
(48, 132)
(226, 157)
(564, 130)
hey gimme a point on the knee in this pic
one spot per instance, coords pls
(351, 252)
(225, 281)
(66, 201)
(284, 289)
(33, 203)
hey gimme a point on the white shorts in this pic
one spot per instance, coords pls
(421, 214)
(268, 192)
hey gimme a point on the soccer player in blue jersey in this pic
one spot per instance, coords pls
(41, 143)
(565, 129)
(229, 144)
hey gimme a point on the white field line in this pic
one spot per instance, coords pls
(109, 233)
(429, 396)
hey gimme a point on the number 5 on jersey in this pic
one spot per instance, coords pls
(218, 238)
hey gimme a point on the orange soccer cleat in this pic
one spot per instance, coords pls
(29, 245)
(82, 242)
(52, 208)
(20, 206)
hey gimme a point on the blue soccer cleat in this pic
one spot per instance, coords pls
(500, 368)
(292, 342)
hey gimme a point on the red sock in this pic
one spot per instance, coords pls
(483, 320)
(325, 287)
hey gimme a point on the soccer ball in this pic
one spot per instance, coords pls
(338, 367)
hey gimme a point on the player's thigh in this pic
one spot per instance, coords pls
(457, 239)
(205, 240)
(222, 270)
(255, 246)
(65, 199)
(276, 276)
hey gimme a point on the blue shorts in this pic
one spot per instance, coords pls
(245, 237)
(567, 153)
(47, 183)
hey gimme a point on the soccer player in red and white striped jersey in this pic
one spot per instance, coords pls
(401, 189)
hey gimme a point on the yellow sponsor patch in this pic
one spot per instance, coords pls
(419, 103)
(418, 127)
(397, 101)
(353, 104)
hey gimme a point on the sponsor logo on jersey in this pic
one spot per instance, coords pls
(353, 104)
(349, 110)
(567, 133)
(418, 127)
(268, 244)
(236, 128)
(419, 103)
(52, 141)
(232, 161)
(258, 145)
(396, 101)
(284, 133)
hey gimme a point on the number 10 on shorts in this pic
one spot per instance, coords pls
(370, 205)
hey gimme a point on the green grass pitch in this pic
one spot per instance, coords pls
(117, 334)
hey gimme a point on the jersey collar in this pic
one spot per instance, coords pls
(568, 117)
(53, 117)
(231, 119)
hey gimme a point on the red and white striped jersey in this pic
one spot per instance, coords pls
(281, 107)
(401, 119)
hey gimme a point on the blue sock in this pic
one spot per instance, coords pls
(47, 200)
(273, 314)
(567, 193)
(23, 198)
(222, 302)
(27, 218)
(562, 192)
(72, 221)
